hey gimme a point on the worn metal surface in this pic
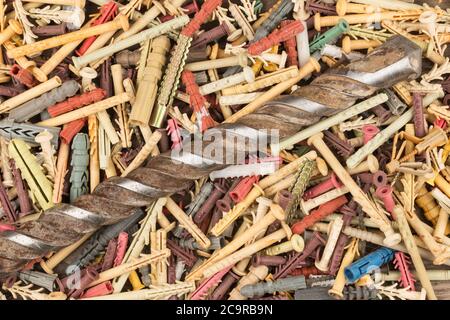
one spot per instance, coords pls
(116, 198)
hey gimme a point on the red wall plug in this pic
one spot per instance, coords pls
(243, 188)
(197, 101)
(385, 193)
(277, 36)
(23, 76)
(291, 46)
(323, 187)
(71, 129)
(318, 214)
(200, 17)
(107, 12)
(369, 131)
(76, 102)
(175, 133)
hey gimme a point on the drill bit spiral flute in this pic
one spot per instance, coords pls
(117, 198)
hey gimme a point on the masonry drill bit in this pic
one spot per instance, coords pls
(116, 198)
